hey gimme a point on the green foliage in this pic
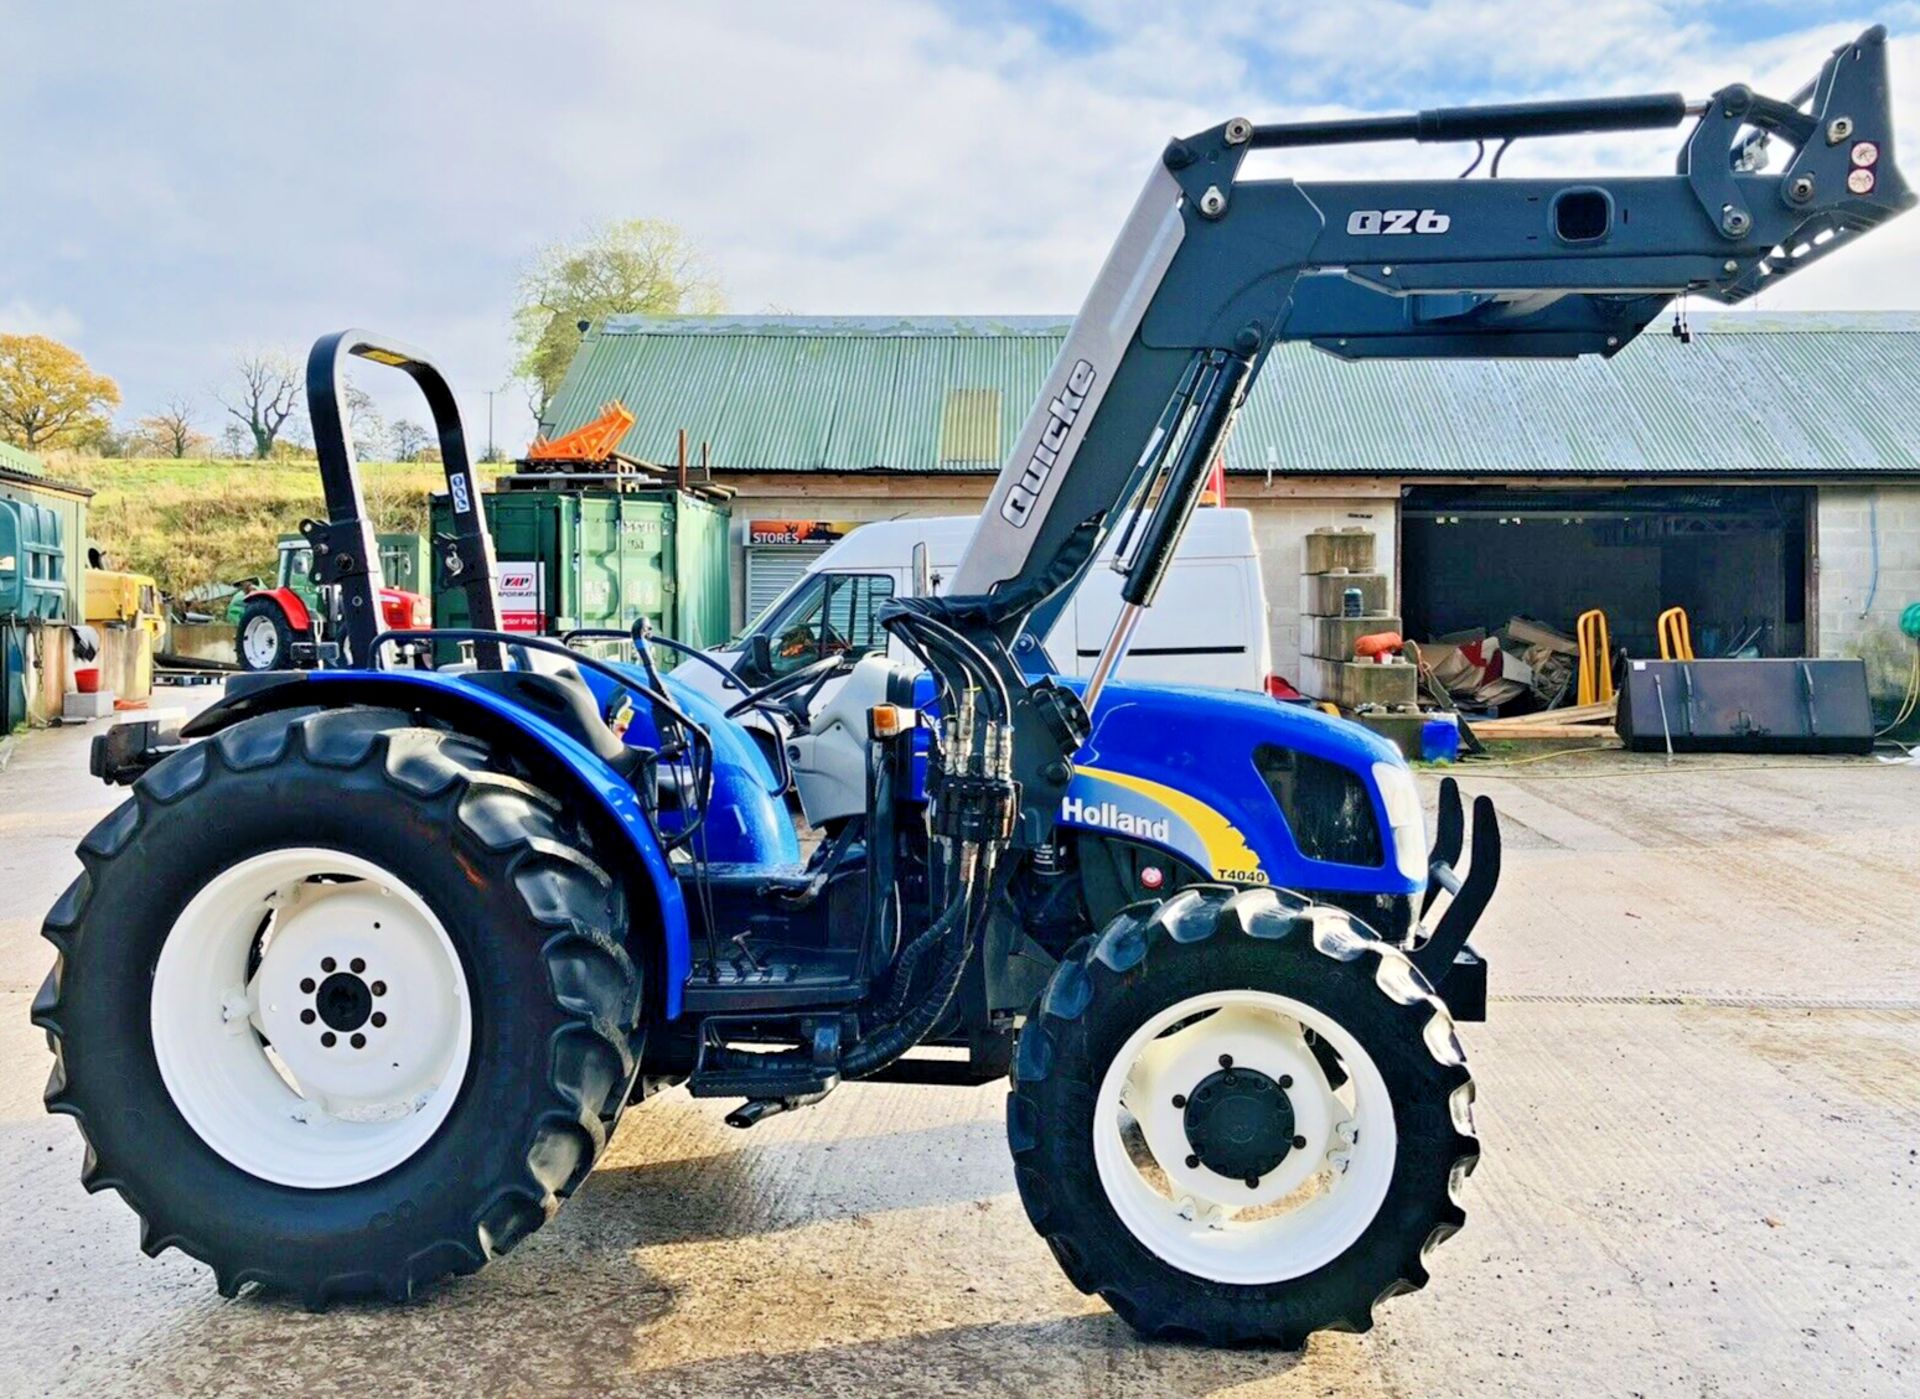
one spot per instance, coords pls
(190, 522)
(633, 267)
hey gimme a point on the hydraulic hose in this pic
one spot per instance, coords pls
(909, 956)
(923, 633)
(884, 1046)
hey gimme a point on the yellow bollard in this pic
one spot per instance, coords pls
(1676, 635)
(1596, 657)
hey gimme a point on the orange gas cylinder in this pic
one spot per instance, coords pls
(1377, 644)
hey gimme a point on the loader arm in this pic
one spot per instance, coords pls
(1211, 271)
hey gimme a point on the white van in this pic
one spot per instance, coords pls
(1207, 627)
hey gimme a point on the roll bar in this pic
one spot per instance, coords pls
(345, 555)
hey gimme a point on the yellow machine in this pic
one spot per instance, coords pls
(122, 597)
(128, 603)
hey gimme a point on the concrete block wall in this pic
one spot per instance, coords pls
(1284, 513)
(1856, 616)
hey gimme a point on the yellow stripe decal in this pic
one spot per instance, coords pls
(1232, 858)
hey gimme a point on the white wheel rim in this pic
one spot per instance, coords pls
(1309, 1208)
(261, 641)
(350, 955)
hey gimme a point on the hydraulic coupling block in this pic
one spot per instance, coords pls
(975, 809)
(974, 798)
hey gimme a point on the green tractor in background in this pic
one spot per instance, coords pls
(279, 627)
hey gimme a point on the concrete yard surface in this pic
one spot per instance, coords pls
(1699, 1101)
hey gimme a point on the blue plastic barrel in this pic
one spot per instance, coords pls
(1440, 739)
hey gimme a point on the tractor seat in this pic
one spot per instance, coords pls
(561, 698)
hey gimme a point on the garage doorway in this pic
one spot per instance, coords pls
(1735, 557)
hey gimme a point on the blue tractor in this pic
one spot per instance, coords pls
(357, 983)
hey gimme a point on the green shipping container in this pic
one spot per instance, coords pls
(601, 558)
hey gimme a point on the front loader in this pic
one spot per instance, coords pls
(354, 987)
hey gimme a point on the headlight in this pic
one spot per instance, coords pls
(1402, 801)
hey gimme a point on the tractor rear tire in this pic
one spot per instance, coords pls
(263, 639)
(535, 1013)
(1378, 1142)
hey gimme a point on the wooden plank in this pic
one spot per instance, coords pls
(1572, 714)
(1519, 728)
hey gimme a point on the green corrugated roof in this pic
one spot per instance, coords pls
(16, 459)
(1787, 394)
(783, 393)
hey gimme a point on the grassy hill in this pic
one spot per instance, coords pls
(194, 522)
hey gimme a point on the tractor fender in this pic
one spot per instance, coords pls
(400, 609)
(290, 603)
(572, 773)
(1180, 769)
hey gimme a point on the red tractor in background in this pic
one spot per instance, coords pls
(281, 627)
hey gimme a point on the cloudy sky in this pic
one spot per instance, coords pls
(189, 180)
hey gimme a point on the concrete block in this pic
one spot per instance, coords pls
(1402, 730)
(1332, 638)
(1321, 593)
(1351, 549)
(1351, 684)
(78, 708)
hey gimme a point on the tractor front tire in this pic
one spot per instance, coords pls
(263, 639)
(1239, 1119)
(341, 1004)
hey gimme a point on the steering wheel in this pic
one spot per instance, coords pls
(814, 675)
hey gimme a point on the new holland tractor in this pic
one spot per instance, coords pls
(356, 984)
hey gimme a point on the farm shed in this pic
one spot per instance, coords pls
(1766, 476)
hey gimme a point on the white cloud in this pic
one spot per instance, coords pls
(238, 174)
(24, 318)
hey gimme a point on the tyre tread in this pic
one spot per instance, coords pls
(1099, 962)
(592, 977)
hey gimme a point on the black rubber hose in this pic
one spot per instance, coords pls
(880, 1049)
(922, 634)
(909, 957)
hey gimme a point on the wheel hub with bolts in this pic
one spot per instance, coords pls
(343, 1003)
(261, 641)
(1237, 1119)
(1239, 1122)
(311, 1018)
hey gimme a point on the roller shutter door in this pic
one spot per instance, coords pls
(772, 569)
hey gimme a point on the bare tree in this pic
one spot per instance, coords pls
(264, 394)
(365, 427)
(171, 430)
(408, 439)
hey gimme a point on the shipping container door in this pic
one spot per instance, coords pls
(702, 603)
(625, 556)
